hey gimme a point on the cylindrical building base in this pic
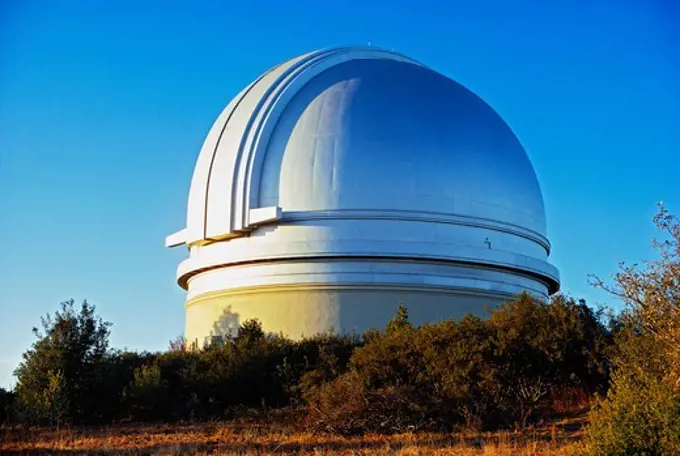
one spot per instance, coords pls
(305, 311)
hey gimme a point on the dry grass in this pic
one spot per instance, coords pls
(560, 438)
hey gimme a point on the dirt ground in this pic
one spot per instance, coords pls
(559, 438)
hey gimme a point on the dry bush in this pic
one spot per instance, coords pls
(348, 406)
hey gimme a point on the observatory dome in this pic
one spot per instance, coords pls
(344, 182)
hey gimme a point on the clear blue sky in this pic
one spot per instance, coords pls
(104, 106)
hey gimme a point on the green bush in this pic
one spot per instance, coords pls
(641, 412)
(314, 361)
(459, 361)
(641, 416)
(249, 370)
(477, 373)
(147, 393)
(542, 347)
(237, 372)
(7, 404)
(62, 376)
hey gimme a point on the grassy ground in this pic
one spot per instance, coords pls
(560, 438)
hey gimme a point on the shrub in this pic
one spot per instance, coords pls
(472, 372)
(384, 391)
(390, 358)
(148, 393)
(582, 346)
(340, 405)
(314, 361)
(7, 404)
(250, 369)
(347, 405)
(458, 359)
(640, 415)
(61, 376)
(540, 347)
(117, 372)
(207, 383)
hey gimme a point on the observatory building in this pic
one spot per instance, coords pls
(344, 182)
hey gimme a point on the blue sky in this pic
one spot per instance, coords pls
(104, 106)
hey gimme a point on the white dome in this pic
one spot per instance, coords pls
(359, 153)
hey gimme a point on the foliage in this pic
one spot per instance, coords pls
(61, 376)
(7, 402)
(478, 373)
(651, 292)
(399, 321)
(347, 405)
(385, 382)
(147, 393)
(641, 413)
(459, 360)
(472, 372)
(314, 361)
(250, 369)
(250, 333)
(55, 399)
(542, 346)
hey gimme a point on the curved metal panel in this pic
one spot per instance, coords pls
(349, 273)
(383, 135)
(220, 194)
(407, 239)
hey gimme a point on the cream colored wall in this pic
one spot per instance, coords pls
(309, 310)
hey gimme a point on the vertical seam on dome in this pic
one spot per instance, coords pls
(217, 145)
(275, 91)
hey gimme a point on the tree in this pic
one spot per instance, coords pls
(524, 340)
(61, 375)
(641, 413)
(250, 332)
(542, 349)
(582, 343)
(651, 292)
(399, 321)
